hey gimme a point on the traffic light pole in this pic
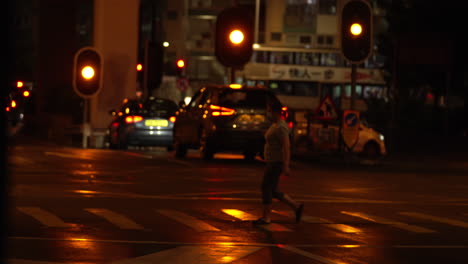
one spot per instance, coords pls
(86, 125)
(353, 87)
(232, 74)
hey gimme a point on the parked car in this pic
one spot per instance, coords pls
(325, 137)
(223, 118)
(142, 123)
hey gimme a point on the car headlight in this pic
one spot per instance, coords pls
(382, 138)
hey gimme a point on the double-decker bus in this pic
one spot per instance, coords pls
(302, 77)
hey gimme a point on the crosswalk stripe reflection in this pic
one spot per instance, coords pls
(380, 220)
(46, 218)
(188, 220)
(317, 220)
(241, 215)
(119, 220)
(444, 220)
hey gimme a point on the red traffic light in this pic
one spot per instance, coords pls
(180, 63)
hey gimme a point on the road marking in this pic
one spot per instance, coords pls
(317, 220)
(248, 244)
(194, 254)
(249, 217)
(63, 155)
(46, 218)
(309, 255)
(119, 220)
(444, 220)
(24, 261)
(138, 155)
(188, 220)
(380, 220)
(185, 163)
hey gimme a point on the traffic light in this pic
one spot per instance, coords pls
(356, 31)
(180, 67)
(234, 36)
(87, 72)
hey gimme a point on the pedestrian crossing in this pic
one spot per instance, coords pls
(217, 219)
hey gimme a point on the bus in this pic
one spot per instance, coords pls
(302, 77)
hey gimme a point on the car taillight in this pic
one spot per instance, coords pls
(221, 111)
(284, 113)
(133, 119)
(172, 119)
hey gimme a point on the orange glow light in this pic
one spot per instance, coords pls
(19, 84)
(13, 103)
(236, 37)
(180, 63)
(87, 72)
(172, 119)
(26, 93)
(356, 29)
(139, 67)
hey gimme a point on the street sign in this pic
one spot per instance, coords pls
(350, 128)
(182, 84)
(326, 110)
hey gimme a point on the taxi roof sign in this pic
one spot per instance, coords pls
(326, 109)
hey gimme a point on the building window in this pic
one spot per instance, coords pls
(276, 36)
(300, 16)
(320, 40)
(329, 40)
(304, 39)
(329, 59)
(327, 7)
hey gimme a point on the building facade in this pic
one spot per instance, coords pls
(297, 53)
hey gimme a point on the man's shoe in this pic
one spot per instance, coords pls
(299, 212)
(261, 221)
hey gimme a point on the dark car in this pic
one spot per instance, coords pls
(143, 123)
(224, 118)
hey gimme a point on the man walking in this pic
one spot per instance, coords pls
(277, 156)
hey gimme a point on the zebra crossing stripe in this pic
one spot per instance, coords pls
(304, 253)
(215, 254)
(241, 215)
(188, 220)
(381, 220)
(444, 220)
(119, 220)
(317, 220)
(46, 218)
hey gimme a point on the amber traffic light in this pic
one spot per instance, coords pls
(87, 72)
(234, 36)
(356, 31)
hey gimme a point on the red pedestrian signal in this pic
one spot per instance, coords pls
(356, 31)
(87, 72)
(19, 84)
(234, 36)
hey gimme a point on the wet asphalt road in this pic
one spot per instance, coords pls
(71, 205)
